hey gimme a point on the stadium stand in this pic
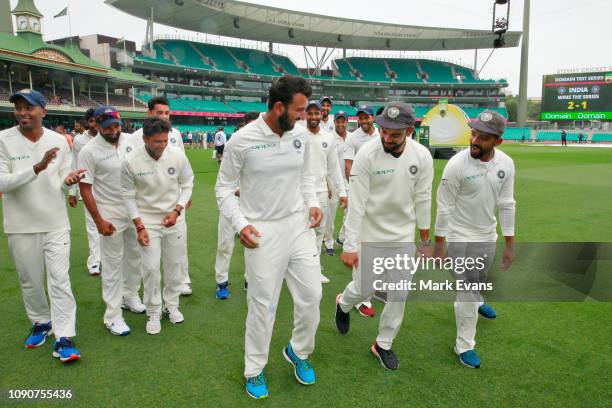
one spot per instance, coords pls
(241, 106)
(517, 134)
(406, 70)
(437, 71)
(370, 69)
(601, 138)
(547, 136)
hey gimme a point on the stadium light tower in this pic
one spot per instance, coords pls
(500, 24)
(522, 100)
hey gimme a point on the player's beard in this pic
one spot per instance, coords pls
(284, 122)
(393, 147)
(313, 124)
(478, 152)
(111, 137)
(153, 153)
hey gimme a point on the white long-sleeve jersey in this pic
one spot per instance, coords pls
(275, 180)
(152, 188)
(340, 147)
(355, 140)
(324, 162)
(388, 196)
(470, 193)
(80, 140)
(33, 203)
(174, 139)
(102, 164)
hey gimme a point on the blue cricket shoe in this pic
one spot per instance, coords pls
(470, 359)
(65, 350)
(256, 386)
(38, 335)
(302, 369)
(222, 291)
(487, 312)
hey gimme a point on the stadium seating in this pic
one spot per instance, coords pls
(257, 61)
(548, 136)
(219, 55)
(437, 71)
(186, 54)
(405, 69)
(601, 137)
(199, 105)
(344, 70)
(286, 63)
(371, 69)
(517, 134)
(241, 106)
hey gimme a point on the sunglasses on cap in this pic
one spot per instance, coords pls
(108, 115)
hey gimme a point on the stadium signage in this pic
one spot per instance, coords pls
(576, 116)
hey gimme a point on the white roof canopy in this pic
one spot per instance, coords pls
(237, 19)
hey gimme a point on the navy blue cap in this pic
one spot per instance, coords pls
(31, 96)
(365, 109)
(341, 114)
(314, 103)
(107, 115)
(326, 98)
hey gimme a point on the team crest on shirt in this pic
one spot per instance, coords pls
(172, 140)
(324, 144)
(501, 174)
(128, 149)
(297, 143)
(413, 169)
(171, 171)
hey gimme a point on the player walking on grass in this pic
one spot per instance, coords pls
(390, 195)
(93, 237)
(160, 106)
(325, 168)
(268, 159)
(100, 189)
(35, 170)
(156, 185)
(476, 182)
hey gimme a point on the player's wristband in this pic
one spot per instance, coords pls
(177, 211)
(140, 227)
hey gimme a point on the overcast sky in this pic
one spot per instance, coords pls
(564, 33)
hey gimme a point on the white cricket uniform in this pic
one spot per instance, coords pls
(468, 196)
(324, 166)
(333, 202)
(276, 189)
(37, 226)
(93, 237)
(354, 142)
(220, 139)
(175, 139)
(388, 198)
(152, 189)
(328, 126)
(225, 248)
(121, 272)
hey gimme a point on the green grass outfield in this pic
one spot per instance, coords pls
(534, 354)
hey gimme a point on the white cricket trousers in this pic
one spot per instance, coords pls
(393, 312)
(287, 250)
(323, 199)
(225, 248)
(121, 270)
(467, 302)
(93, 240)
(329, 227)
(186, 280)
(167, 246)
(31, 254)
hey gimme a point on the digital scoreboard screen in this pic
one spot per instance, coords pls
(586, 96)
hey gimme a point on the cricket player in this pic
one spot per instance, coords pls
(225, 238)
(363, 134)
(324, 164)
(160, 106)
(93, 237)
(340, 134)
(276, 216)
(390, 195)
(475, 183)
(156, 184)
(35, 170)
(327, 121)
(101, 192)
(220, 141)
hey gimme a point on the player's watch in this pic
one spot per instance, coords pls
(426, 243)
(177, 212)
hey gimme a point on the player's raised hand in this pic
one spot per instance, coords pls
(47, 158)
(74, 177)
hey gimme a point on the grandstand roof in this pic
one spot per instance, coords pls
(262, 23)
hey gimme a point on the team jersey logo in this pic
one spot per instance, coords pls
(297, 143)
(172, 140)
(413, 169)
(501, 174)
(128, 149)
(171, 171)
(324, 145)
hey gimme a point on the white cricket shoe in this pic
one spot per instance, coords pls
(154, 324)
(133, 305)
(324, 279)
(186, 290)
(174, 315)
(118, 327)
